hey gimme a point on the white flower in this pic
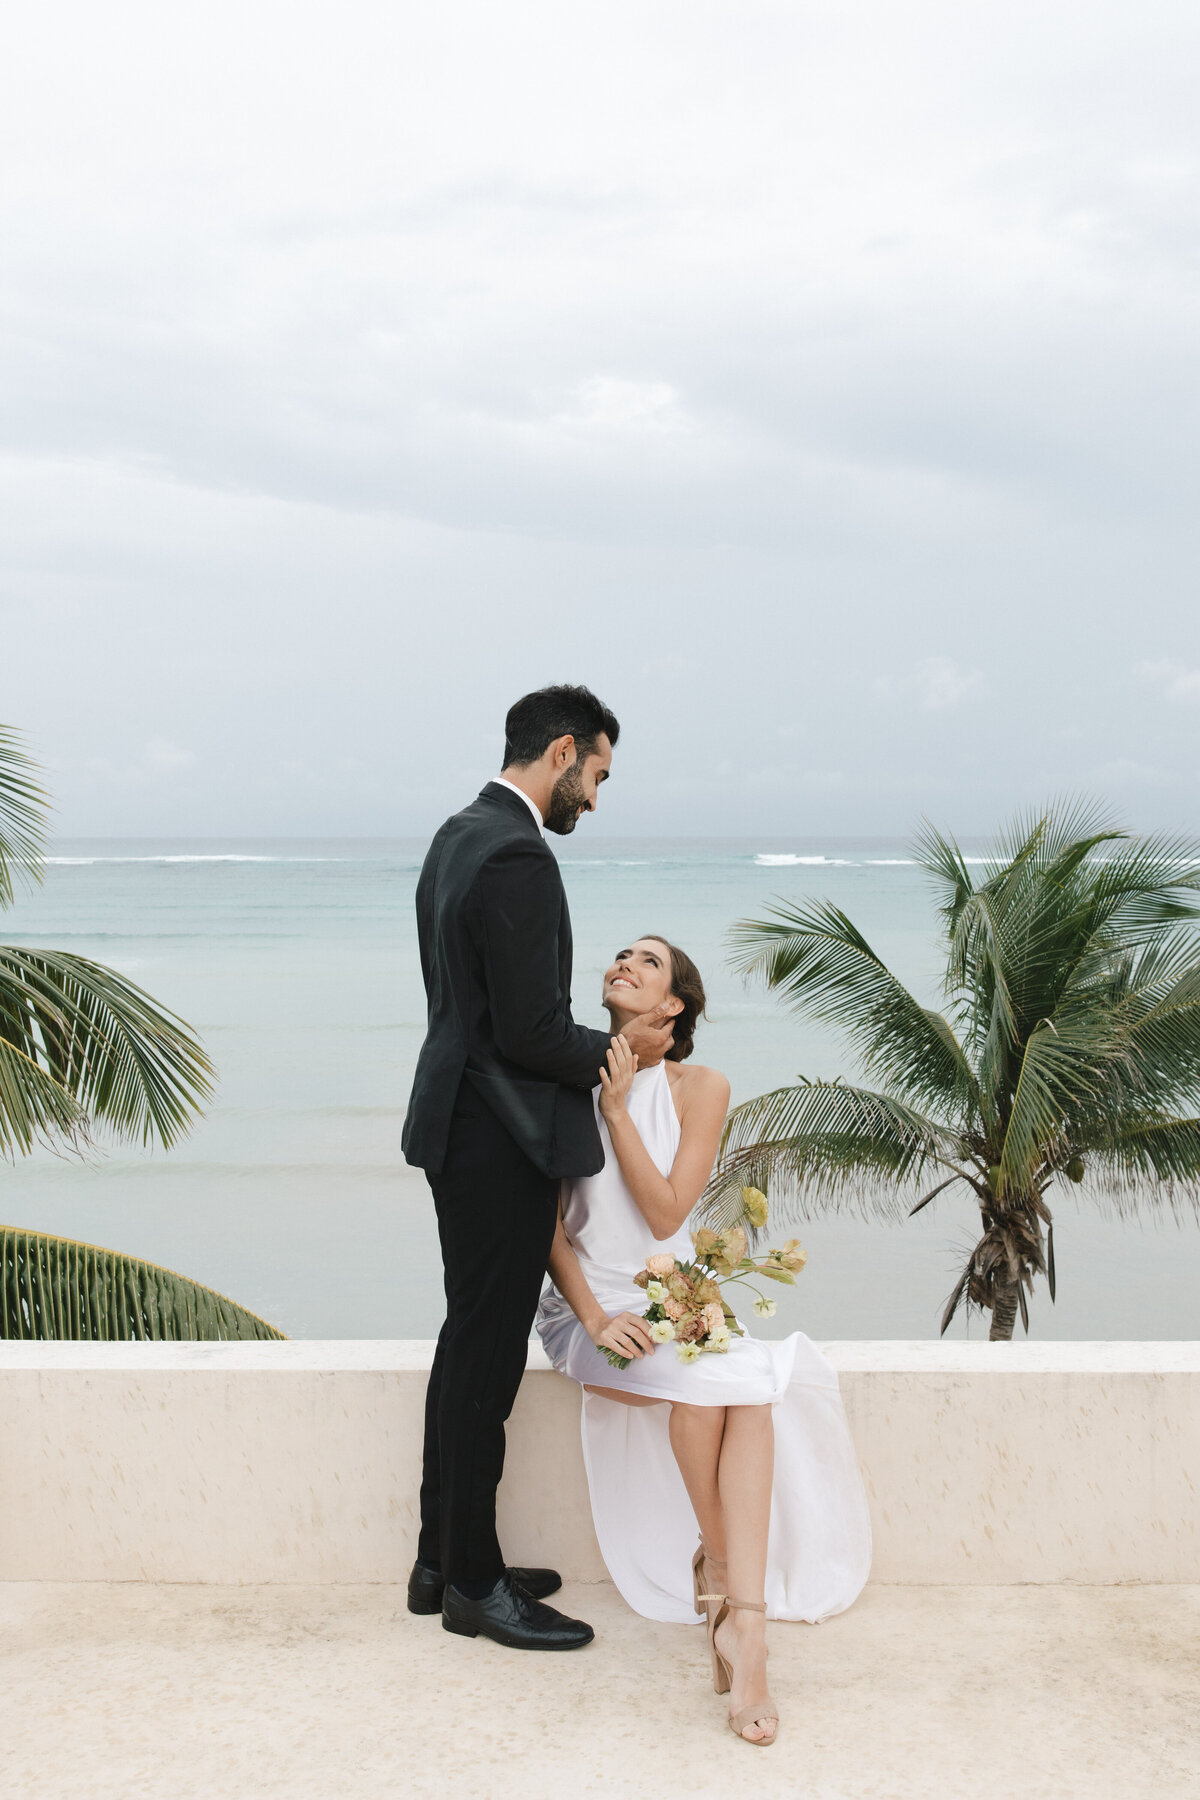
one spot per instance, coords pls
(764, 1308)
(656, 1293)
(720, 1340)
(687, 1352)
(662, 1331)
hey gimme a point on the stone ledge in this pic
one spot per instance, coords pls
(299, 1462)
(925, 1356)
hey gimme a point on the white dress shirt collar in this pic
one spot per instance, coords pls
(531, 804)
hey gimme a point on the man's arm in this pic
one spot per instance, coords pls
(520, 899)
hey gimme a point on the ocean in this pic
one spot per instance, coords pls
(297, 963)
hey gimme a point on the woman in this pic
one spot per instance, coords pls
(752, 1444)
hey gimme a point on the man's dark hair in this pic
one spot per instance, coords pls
(553, 712)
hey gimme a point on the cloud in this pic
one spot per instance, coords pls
(351, 395)
(1176, 681)
(1126, 772)
(608, 400)
(162, 757)
(937, 684)
(942, 684)
(795, 315)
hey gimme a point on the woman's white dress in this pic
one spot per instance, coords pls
(819, 1549)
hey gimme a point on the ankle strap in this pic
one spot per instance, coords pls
(737, 1605)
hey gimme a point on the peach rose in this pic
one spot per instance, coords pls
(661, 1266)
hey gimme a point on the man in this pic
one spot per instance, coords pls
(500, 1110)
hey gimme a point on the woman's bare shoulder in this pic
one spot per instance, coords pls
(693, 1082)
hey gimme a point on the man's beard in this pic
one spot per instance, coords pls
(566, 802)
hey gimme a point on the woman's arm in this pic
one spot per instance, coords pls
(665, 1200)
(623, 1332)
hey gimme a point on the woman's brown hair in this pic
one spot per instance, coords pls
(687, 986)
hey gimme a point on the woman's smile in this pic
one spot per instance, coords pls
(640, 969)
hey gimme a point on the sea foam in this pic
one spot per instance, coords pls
(765, 861)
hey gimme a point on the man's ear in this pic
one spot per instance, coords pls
(563, 750)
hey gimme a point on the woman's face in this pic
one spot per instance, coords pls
(639, 979)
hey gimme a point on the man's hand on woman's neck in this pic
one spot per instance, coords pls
(649, 1035)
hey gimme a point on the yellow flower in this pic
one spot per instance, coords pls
(729, 1250)
(687, 1352)
(662, 1331)
(754, 1205)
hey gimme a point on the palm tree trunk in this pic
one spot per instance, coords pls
(1004, 1315)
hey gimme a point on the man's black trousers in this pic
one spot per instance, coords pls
(496, 1214)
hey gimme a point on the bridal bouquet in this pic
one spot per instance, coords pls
(687, 1307)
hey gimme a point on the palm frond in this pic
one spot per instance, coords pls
(978, 975)
(1074, 1073)
(1040, 835)
(1147, 887)
(1160, 1012)
(34, 1109)
(54, 1288)
(23, 809)
(1149, 1155)
(114, 1054)
(818, 959)
(824, 1144)
(941, 857)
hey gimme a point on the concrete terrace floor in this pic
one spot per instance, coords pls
(320, 1693)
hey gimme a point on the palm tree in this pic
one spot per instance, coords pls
(81, 1048)
(1069, 1047)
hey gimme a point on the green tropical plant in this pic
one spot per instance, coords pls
(83, 1049)
(1069, 1048)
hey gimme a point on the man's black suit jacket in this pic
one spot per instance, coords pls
(495, 939)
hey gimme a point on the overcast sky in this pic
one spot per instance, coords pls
(817, 381)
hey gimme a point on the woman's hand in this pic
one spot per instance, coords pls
(627, 1334)
(617, 1079)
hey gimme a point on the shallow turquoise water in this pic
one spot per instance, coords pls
(297, 963)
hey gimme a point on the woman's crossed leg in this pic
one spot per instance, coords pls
(726, 1455)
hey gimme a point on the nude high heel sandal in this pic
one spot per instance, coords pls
(707, 1572)
(723, 1671)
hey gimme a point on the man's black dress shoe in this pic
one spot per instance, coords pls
(511, 1616)
(426, 1587)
